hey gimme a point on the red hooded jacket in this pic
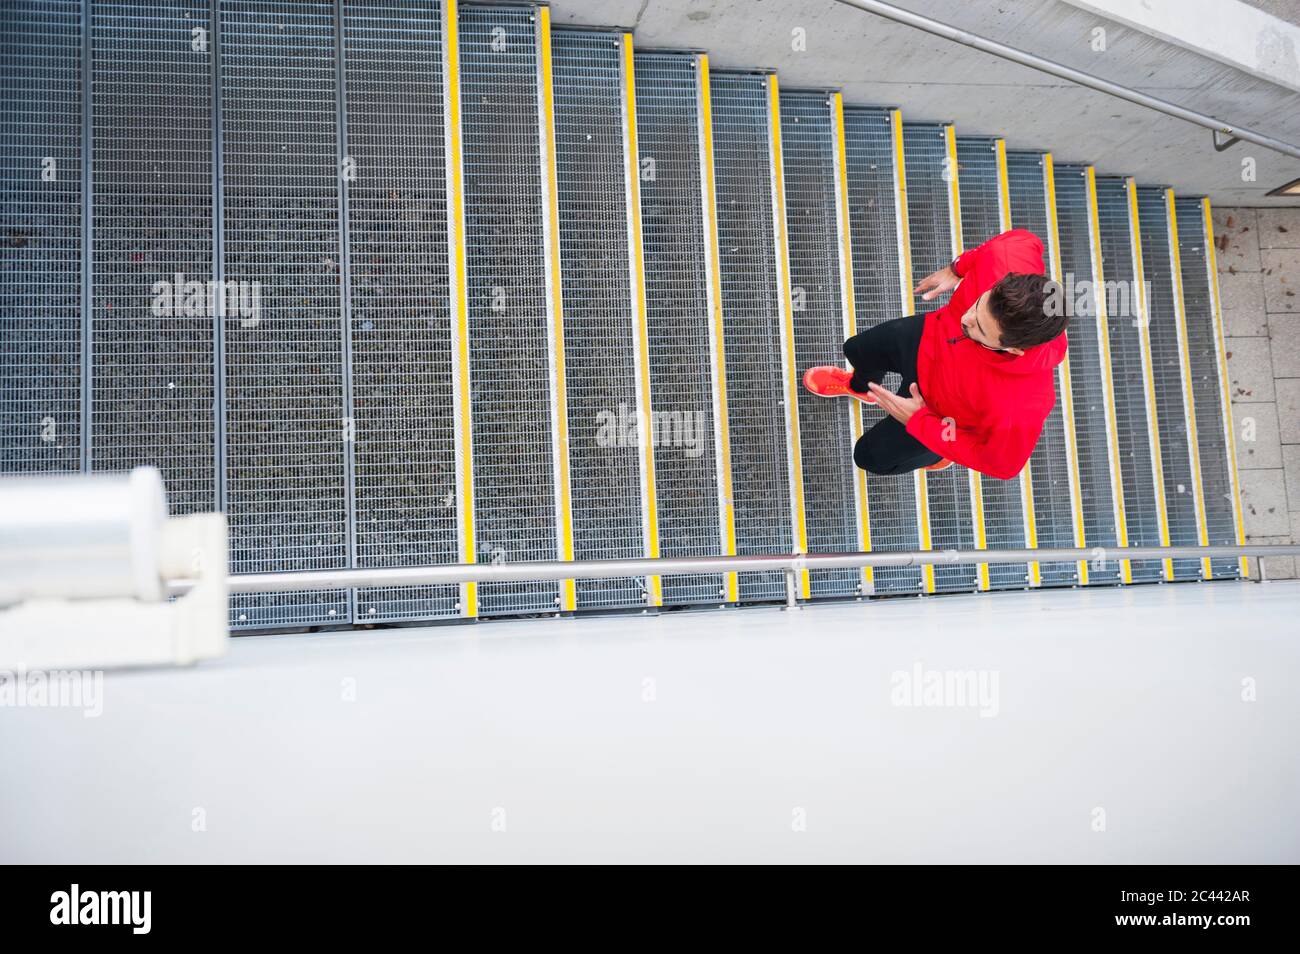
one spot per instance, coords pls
(997, 401)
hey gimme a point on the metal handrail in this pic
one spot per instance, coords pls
(994, 48)
(788, 563)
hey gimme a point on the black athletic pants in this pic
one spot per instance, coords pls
(890, 346)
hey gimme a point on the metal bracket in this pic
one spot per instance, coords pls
(1221, 145)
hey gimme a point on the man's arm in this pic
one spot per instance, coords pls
(936, 283)
(1002, 453)
(982, 267)
(1016, 250)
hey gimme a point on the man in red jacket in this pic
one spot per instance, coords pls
(976, 373)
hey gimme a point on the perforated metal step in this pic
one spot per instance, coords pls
(935, 226)
(40, 221)
(1089, 374)
(882, 290)
(1208, 366)
(816, 214)
(603, 317)
(513, 380)
(982, 182)
(405, 447)
(286, 480)
(687, 393)
(755, 300)
(1167, 333)
(1129, 356)
(153, 332)
(1057, 519)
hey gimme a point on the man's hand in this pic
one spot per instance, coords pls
(944, 280)
(900, 409)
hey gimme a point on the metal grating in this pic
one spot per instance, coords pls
(977, 182)
(1167, 371)
(751, 318)
(877, 292)
(510, 365)
(1050, 463)
(40, 236)
(286, 418)
(599, 333)
(152, 364)
(1207, 384)
(981, 219)
(405, 434)
(929, 217)
(677, 298)
(1141, 510)
(1091, 441)
(808, 146)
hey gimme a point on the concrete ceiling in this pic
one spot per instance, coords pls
(1287, 10)
(874, 60)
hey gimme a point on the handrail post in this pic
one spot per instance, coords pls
(791, 592)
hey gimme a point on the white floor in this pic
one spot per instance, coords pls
(1118, 733)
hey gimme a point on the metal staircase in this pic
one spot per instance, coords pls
(532, 294)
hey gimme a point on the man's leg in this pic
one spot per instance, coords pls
(889, 346)
(888, 449)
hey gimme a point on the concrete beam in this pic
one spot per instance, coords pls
(1229, 31)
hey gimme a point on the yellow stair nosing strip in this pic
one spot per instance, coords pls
(459, 276)
(850, 314)
(712, 256)
(909, 308)
(1066, 385)
(780, 224)
(1107, 382)
(559, 397)
(958, 246)
(1148, 370)
(640, 310)
(1026, 475)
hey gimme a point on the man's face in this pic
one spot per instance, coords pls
(981, 327)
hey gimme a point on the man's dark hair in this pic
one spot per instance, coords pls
(1019, 303)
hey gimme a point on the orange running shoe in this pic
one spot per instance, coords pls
(829, 381)
(940, 464)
